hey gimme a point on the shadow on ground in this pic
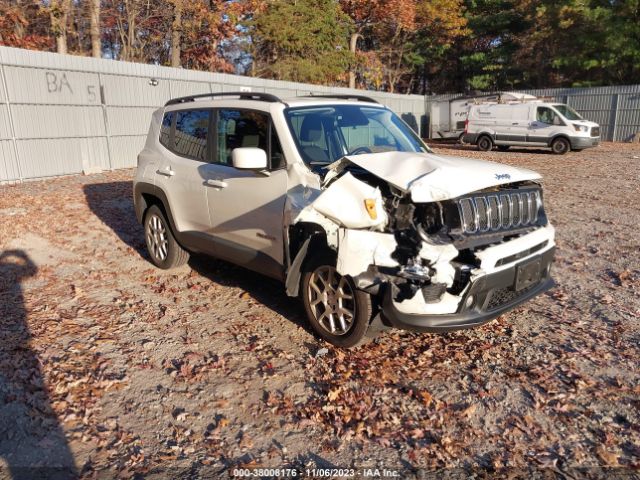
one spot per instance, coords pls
(264, 290)
(112, 203)
(32, 442)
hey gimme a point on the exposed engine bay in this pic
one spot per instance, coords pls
(425, 252)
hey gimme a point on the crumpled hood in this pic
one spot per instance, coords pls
(430, 178)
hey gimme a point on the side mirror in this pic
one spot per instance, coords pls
(249, 158)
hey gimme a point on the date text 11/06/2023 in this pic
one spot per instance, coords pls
(314, 473)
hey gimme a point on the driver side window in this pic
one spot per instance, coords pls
(373, 137)
(548, 116)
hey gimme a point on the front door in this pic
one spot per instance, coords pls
(246, 207)
(544, 127)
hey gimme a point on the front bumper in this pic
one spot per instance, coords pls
(580, 143)
(494, 294)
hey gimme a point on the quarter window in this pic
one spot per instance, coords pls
(165, 129)
(192, 129)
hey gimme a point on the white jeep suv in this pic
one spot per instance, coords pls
(341, 200)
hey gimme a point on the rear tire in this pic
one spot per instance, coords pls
(560, 146)
(337, 311)
(485, 143)
(164, 250)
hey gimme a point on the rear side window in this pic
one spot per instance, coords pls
(192, 130)
(165, 130)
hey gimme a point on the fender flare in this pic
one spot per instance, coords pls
(142, 189)
(314, 240)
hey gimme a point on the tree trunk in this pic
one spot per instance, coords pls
(96, 42)
(353, 44)
(176, 34)
(59, 12)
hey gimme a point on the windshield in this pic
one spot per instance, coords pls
(324, 134)
(567, 112)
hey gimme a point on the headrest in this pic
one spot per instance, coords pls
(311, 129)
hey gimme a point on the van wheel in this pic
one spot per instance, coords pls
(503, 148)
(485, 143)
(560, 146)
(337, 311)
(164, 250)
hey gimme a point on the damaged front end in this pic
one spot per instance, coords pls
(438, 259)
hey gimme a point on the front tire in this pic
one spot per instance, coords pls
(560, 146)
(485, 143)
(337, 311)
(163, 248)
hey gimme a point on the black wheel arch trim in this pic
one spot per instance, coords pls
(141, 206)
(559, 135)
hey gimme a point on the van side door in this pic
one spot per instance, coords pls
(519, 128)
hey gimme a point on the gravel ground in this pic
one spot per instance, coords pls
(109, 366)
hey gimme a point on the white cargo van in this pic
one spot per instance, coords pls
(530, 124)
(448, 116)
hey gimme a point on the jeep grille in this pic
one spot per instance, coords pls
(496, 211)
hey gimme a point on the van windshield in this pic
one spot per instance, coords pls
(326, 133)
(567, 112)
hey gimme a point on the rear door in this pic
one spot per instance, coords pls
(246, 207)
(178, 169)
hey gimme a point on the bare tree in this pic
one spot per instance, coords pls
(59, 14)
(176, 33)
(96, 42)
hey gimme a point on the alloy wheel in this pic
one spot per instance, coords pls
(332, 300)
(157, 239)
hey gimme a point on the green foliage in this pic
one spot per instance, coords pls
(302, 40)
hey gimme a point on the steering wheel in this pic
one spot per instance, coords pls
(359, 150)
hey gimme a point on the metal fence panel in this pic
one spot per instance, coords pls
(57, 121)
(51, 86)
(125, 150)
(5, 127)
(50, 157)
(128, 120)
(129, 91)
(8, 162)
(69, 113)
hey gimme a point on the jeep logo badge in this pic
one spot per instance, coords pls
(502, 176)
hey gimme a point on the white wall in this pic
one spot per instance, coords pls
(61, 114)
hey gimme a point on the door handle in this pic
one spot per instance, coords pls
(515, 123)
(216, 183)
(167, 172)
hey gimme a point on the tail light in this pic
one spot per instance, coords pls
(466, 126)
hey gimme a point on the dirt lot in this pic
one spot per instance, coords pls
(109, 365)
